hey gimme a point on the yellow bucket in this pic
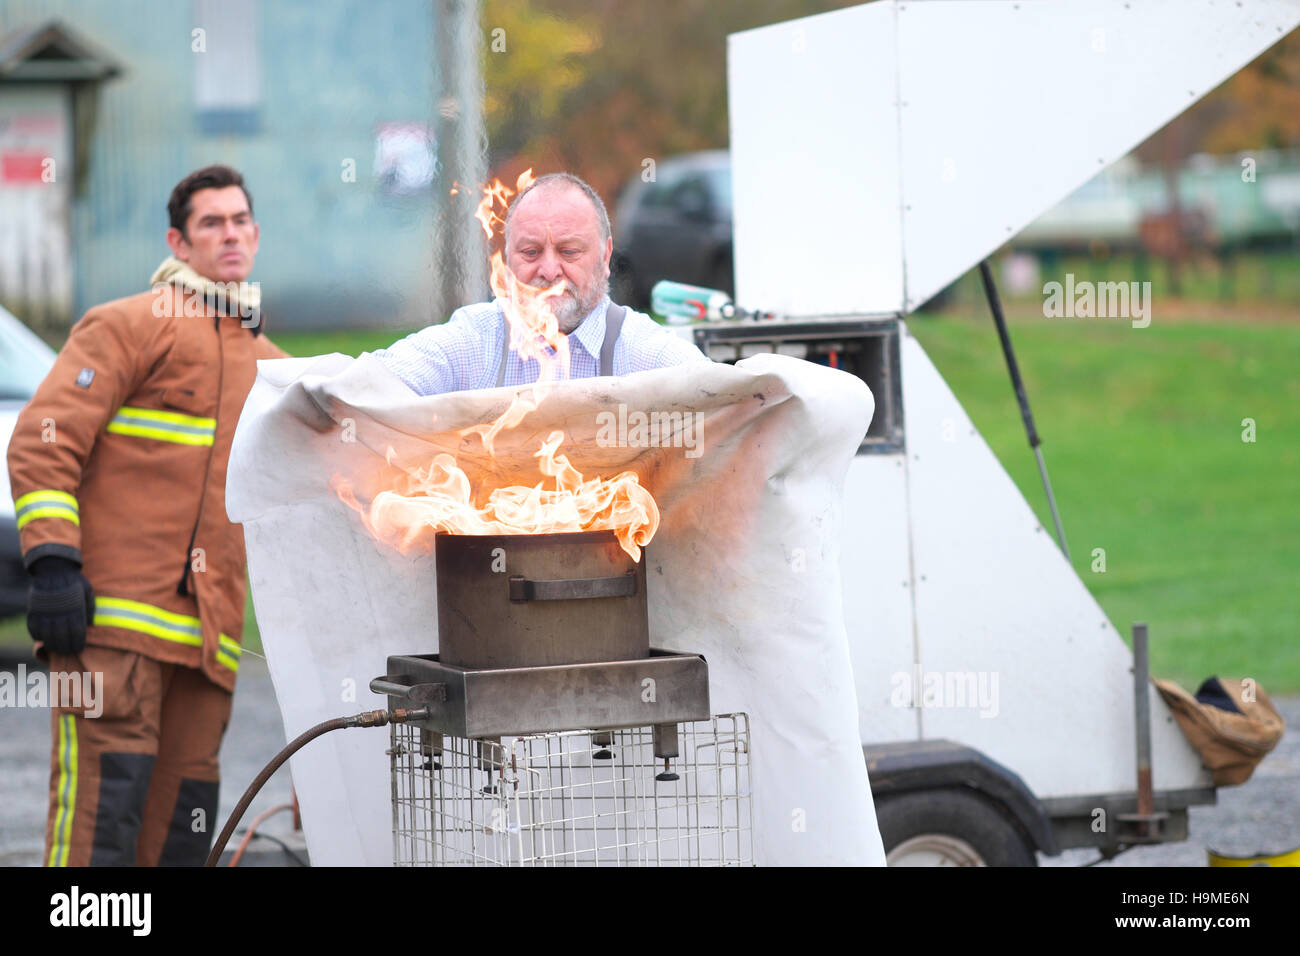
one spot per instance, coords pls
(1289, 858)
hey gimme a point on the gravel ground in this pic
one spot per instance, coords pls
(254, 736)
(1261, 816)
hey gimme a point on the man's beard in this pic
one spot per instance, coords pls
(571, 309)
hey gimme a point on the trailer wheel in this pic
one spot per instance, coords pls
(949, 827)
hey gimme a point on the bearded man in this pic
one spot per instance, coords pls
(557, 237)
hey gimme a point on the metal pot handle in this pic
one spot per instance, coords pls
(400, 685)
(572, 589)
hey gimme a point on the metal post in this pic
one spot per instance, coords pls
(460, 254)
(995, 304)
(1142, 712)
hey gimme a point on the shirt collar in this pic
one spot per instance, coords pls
(591, 332)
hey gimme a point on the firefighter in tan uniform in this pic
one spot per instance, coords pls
(118, 469)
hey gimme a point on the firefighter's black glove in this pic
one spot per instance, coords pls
(60, 605)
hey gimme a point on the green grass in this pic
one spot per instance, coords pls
(1251, 283)
(13, 633)
(1142, 432)
(1263, 276)
(347, 341)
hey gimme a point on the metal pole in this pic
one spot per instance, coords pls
(1142, 703)
(460, 254)
(995, 304)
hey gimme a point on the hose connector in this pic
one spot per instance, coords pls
(402, 715)
(370, 718)
(380, 718)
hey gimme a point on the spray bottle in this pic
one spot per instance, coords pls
(680, 303)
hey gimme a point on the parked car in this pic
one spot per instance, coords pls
(677, 226)
(24, 362)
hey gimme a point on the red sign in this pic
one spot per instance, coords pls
(22, 167)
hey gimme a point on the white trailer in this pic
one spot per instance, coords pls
(878, 153)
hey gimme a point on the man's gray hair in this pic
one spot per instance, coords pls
(566, 179)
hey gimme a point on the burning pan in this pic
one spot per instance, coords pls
(534, 600)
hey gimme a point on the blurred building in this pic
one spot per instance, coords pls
(326, 108)
(1246, 201)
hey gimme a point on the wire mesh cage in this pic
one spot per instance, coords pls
(576, 798)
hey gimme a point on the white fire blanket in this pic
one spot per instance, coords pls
(744, 568)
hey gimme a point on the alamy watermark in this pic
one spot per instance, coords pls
(1101, 300)
(131, 911)
(67, 689)
(637, 429)
(226, 298)
(946, 689)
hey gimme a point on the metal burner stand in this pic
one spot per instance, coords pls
(607, 763)
(662, 690)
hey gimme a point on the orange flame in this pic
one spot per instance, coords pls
(498, 192)
(441, 498)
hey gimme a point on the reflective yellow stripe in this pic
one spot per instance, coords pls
(47, 495)
(171, 418)
(147, 619)
(67, 794)
(52, 512)
(165, 625)
(228, 652)
(46, 503)
(163, 426)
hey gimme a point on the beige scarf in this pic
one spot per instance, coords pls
(243, 298)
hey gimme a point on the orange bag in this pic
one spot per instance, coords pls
(1231, 723)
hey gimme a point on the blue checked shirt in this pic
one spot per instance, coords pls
(465, 352)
